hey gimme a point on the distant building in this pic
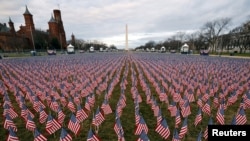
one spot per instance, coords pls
(56, 29)
(22, 39)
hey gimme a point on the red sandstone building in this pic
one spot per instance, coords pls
(23, 39)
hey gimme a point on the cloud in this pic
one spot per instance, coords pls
(105, 20)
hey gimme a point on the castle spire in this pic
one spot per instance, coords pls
(10, 21)
(27, 12)
(52, 19)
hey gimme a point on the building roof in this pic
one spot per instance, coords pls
(27, 12)
(10, 21)
(52, 19)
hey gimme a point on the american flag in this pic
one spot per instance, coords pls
(220, 116)
(42, 115)
(199, 101)
(143, 136)
(98, 117)
(177, 118)
(163, 129)
(25, 111)
(60, 115)
(176, 136)
(159, 117)
(8, 123)
(71, 106)
(87, 105)
(207, 108)
(10, 111)
(210, 122)
(38, 136)
(54, 105)
(73, 124)
(137, 114)
(246, 98)
(198, 117)
(155, 108)
(184, 128)
(141, 126)
(106, 107)
(241, 118)
(52, 125)
(185, 109)
(172, 108)
(118, 127)
(81, 115)
(199, 138)
(92, 136)
(30, 124)
(12, 135)
(91, 99)
(233, 122)
(65, 136)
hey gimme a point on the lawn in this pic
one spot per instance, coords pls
(145, 75)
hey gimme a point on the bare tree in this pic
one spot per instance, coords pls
(213, 29)
(180, 37)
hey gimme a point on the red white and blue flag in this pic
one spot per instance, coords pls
(65, 136)
(73, 124)
(163, 129)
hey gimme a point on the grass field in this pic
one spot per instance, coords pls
(135, 68)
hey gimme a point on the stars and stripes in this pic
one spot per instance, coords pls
(71, 106)
(65, 136)
(106, 107)
(184, 128)
(12, 135)
(81, 115)
(8, 123)
(118, 128)
(141, 126)
(241, 118)
(163, 129)
(143, 136)
(60, 116)
(73, 124)
(38, 136)
(30, 124)
(207, 108)
(52, 125)
(42, 115)
(92, 136)
(199, 137)
(9, 110)
(220, 116)
(185, 109)
(210, 122)
(98, 117)
(177, 118)
(176, 136)
(198, 117)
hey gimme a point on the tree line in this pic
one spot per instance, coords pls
(214, 35)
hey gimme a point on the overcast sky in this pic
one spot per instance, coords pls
(105, 20)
